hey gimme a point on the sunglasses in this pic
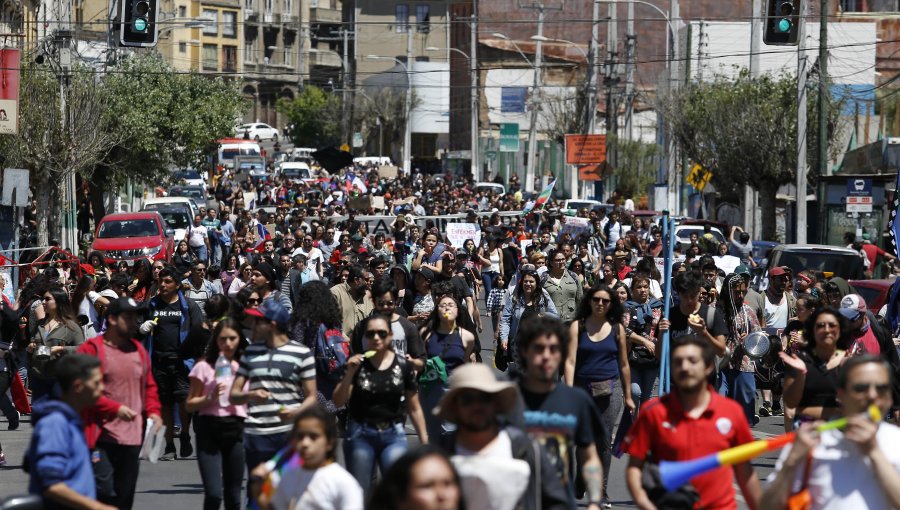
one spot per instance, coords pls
(603, 300)
(381, 333)
(860, 388)
(253, 301)
(385, 303)
(468, 398)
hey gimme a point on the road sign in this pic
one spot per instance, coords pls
(699, 177)
(491, 155)
(859, 187)
(357, 140)
(585, 149)
(509, 137)
(859, 204)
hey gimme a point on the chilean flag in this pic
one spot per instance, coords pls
(262, 235)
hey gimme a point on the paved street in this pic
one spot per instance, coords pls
(176, 485)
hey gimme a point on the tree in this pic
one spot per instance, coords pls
(745, 130)
(637, 166)
(387, 106)
(315, 117)
(564, 114)
(53, 150)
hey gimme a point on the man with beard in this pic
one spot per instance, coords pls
(474, 403)
(667, 428)
(353, 298)
(558, 416)
(780, 305)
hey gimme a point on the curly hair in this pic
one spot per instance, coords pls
(315, 303)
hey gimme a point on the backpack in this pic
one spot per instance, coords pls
(332, 352)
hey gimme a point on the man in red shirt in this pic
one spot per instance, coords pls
(873, 252)
(114, 426)
(691, 422)
(862, 334)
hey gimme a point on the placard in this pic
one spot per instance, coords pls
(459, 233)
(574, 226)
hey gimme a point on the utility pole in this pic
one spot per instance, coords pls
(611, 82)
(477, 170)
(407, 131)
(673, 177)
(630, 43)
(62, 38)
(823, 88)
(801, 128)
(750, 194)
(592, 95)
(535, 102)
(345, 86)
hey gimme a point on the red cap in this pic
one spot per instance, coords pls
(777, 271)
(87, 268)
(254, 312)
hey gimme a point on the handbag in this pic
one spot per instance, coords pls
(501, 358)
(802, 500)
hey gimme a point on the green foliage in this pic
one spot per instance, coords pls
(745, 129)
(316, 117)
(387, 105)
(165, 117)
(637, 165)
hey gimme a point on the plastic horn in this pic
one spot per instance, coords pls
(677, 473)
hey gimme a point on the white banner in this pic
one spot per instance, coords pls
(574, 226)
(458, 233)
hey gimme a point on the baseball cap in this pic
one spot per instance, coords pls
(777, 271)
(271, 310)
(742, 270)
(123, 305)
(852, 306)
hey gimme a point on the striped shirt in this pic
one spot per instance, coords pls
(279, 371)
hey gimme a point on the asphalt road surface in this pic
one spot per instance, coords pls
(176, 485)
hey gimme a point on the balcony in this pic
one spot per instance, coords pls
(251, 15)
(324, 15)
(271, 17)
(325, 58)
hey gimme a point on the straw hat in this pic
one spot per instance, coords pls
(479, 377)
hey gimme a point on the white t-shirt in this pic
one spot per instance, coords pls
(841, 478)
(197, 236)
(327, 488)
(314, 257)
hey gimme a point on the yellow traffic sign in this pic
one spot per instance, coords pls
(345, 147)
(698, 177)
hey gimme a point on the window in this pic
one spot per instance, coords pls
(211, 27)
(851, 5)
(182, 47)
(401, 14)
(210, 57)
(229, 59)
(248, 4)
(249, 54)
(182, 11)
(229, 24)
(288, 7)
(269, 6)
(422, 18)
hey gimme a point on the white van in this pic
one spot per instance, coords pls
(372, 160)
(152, 204)
(228, 151)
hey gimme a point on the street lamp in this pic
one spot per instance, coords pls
(570, 43)
(535, 105)
(183, 23)
(407, 132)
(473, 97)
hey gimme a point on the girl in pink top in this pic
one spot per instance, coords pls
(219, 430)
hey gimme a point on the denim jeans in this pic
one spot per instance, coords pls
(221, 465)
(740, 387)
(365, 444)
(429, 399)
(642, 381)
(610, 406)
(202, 253)
(487, 277)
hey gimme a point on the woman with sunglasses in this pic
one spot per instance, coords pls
(810, 384)
(241, 279)
(446, 340)
(58, 334)
(529, 298)
(379, 389)
(598, 363)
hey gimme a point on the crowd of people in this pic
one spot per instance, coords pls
(305, 355)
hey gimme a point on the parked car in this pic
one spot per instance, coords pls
(183, 203)
(590, 205)
(257, 131)
(761, 248)
(134, 235)
(296, 171)
(683, 233)
(196, 193)
(499, 189)
(837, 260)
(177, 218)
(874, 292)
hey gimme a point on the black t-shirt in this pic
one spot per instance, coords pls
(380, 395)
(679, 326)
(168, 327)
(561, 421)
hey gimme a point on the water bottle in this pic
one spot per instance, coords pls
(224, 375)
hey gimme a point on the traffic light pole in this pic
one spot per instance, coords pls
(62, 38)
(801, 129)
(823, 87)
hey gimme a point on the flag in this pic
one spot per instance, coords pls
(287, 459)
(894, 221)
(358, 183)
(262, 235)
(542, 198)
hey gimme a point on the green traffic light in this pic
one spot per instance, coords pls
(784, 25)
(140, 24)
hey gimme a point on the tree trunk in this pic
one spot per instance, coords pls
(767, 191)
(42, 197)
(55, 222)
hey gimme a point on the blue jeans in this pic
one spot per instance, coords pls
(261, 448)
(642, 381)
(487, 277)
(740, 387)
(365, 444)
(202, 253)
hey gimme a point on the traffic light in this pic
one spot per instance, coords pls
(782, 22)
(137, 25)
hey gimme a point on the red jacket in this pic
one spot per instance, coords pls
(106, 408)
